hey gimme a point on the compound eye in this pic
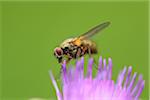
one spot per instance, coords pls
(58, 51)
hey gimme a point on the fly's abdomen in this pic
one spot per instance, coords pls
(91, 46)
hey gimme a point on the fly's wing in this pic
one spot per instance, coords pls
(94, 30)
(90, 33)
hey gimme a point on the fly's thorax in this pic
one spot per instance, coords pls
(66, 43)
(67, 46)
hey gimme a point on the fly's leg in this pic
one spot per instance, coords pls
(83, 51)
(90, 55)
(89, 52)
(78, 54)
(61, 69)
(69, 57)
(68, 60)
(61, 61)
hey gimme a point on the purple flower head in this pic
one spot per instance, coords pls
(76, 86)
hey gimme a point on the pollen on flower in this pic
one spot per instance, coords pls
(76, 86)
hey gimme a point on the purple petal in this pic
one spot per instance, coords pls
(128, 77)
(79, 69)
(104, 64)
(100, 64)
(59, 96)
(104, 75)
(64, 72)
(121, 77)
(75, 86)
(89, 70)
(82, 67)
(109, 68)
(131, 83)
(140, 90)
(137, 85)
(70, 73)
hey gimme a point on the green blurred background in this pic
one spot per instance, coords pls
(31, 30)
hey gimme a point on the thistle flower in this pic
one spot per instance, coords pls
(76, 86)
